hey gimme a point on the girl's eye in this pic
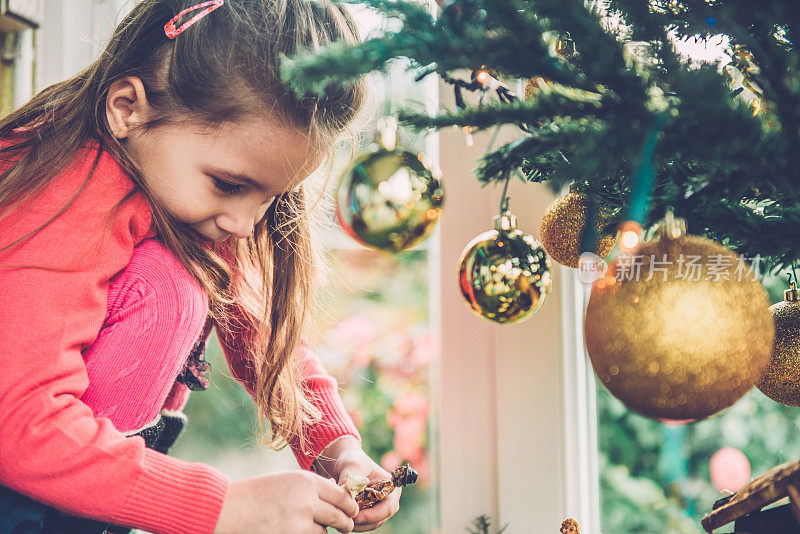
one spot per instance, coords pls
(227, 187)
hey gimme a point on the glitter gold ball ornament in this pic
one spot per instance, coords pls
(781, 379)
(564, 47)
(680, 329)
(504, 274)
(562, 229)
(534, 85)
(389, 199)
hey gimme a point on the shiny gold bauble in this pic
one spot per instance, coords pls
(389, 199)
(504, 274)
(781, 379)
(562, 228)
(685, 343)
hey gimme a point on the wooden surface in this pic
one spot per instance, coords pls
(779, 482)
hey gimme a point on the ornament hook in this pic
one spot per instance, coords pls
(792, 294)
(387, 132)
(504, 200)
(671, 227)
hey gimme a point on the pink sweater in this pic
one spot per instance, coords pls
(52, 446)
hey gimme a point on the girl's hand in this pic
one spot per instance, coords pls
(299, 502)
(373, 517)
(345, 457)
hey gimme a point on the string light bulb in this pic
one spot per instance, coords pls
(482, 76)
(468, 135)
(630, 236)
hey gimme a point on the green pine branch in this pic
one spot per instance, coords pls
(549, 102)
(481, 524)
(714, 162)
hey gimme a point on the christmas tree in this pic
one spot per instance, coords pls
(612, 109)
(614, 85)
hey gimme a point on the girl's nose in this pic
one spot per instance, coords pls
(238, 225)
(242, 226)
(262, 210)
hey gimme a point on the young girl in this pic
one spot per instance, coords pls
(154, 195)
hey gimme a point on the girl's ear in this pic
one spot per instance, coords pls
(126, 106)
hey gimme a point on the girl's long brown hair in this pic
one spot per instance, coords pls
(220, 69)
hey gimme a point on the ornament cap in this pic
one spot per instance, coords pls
(671, 227)
(505, 222)
(386, 134)
(791, 294)
(565, 46)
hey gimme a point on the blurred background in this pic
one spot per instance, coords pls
(501, 421)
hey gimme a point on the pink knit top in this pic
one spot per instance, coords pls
(53, 448)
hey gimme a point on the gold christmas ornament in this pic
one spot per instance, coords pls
(389, 199)
(504, 274)
(742, 72)
(534, 85)
(562, 227)
(744, 60)
(781, 379)
(564, 47)
(680, 329)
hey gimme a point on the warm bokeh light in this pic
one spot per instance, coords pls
(729, 469)
(630, 239)
(630, 235)
(482, 76)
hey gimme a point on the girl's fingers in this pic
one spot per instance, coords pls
(331, 516)
(337, 496)
(367, 528)
(381, 511)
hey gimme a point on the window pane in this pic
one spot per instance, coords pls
(375, 338)
(380, 347)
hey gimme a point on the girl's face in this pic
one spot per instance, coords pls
(221, 181)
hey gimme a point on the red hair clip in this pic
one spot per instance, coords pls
(173, 32)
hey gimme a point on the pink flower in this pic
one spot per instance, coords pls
(355, 335)
(356, 330)
(409, 441)
(391, 460)
(360, 357)
(425, 348)
(409, 413)
(357, 418)
(411, 403)
(409, 420)
(422, 465)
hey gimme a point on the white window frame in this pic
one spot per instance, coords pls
(516, 436)
(516, 404)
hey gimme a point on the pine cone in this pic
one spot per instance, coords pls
(570, 526)
(375, 493)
